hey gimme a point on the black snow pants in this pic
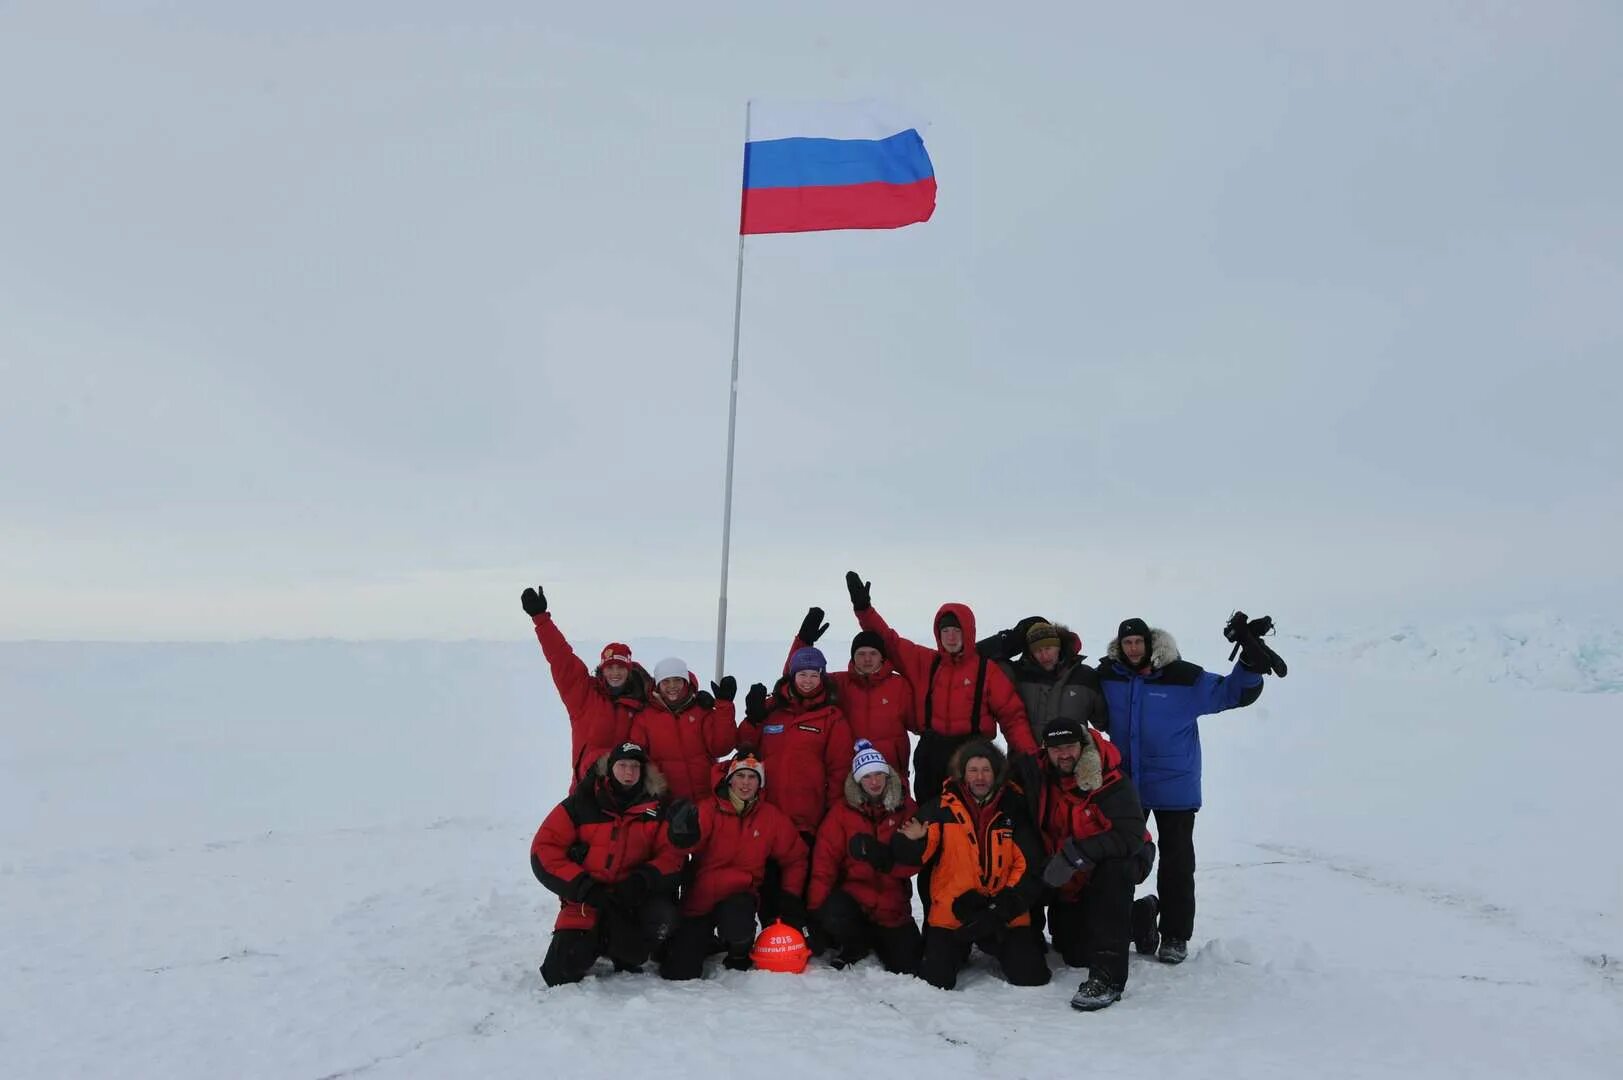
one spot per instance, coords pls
(851, 932)
(1094, 930)
(732, 920)
(626, 937)
(1175, 880)
(1017, 949)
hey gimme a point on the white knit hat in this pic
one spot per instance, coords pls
(670, 668)
(868, 760)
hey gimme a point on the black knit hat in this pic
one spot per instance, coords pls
(868, 639)
(948, 618)
(1061, 731)
(1133, 628)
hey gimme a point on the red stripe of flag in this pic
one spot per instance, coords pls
(848, 206)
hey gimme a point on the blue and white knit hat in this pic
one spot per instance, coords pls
(868, 760)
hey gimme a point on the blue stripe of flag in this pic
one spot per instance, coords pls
(781, 163)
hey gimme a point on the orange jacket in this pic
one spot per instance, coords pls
(975, 847)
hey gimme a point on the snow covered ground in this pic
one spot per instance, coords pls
(309, 860)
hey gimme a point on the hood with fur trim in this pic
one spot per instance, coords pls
(653, 781)
(891, 798)
(978, 748)
(1163, 649)
(1090, 765)
(966, 620)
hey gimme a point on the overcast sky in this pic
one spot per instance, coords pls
(351, 320)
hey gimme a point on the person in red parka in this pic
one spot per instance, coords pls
(738, 834)
(685, 729)
(601, 703)
(958, 695)
(1092, 824)
(858, 893)
(800, 732)
(606, 853)
(875, 697)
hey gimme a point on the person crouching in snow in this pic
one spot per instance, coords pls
(686, 729)
(737, 835)
(1093, 828)
(1154, 700)
(986, 860)
(601, 703)
(606, 853)
(859, 894)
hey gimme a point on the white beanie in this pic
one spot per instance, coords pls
(747, 761)
(868, 760)
(670, 668)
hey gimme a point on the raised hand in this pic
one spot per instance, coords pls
(726, 689)
(534, 601)
(755, 703)
(809, 630)
(859, 590)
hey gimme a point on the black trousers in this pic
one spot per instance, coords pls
(851, 932)
(930, 759)
(1017, 949)
(626, 937)
(1095, 929)
(1175, 880)
(732, 920)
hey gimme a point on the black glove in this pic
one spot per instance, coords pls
(703, 699)
(755, 703)
(1066, 862)
(593, 894)
(809, 630)
(868, 849)
(534, 601)
(859, 590)
(1254, 655)
(726, 689)
(682, 823)
(1007, 906)
(577, 851)
(630, 893)
(974, 913)
(792, 910)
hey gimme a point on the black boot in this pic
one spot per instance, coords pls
(738, 958)
(1146, 938)
(1096, 993)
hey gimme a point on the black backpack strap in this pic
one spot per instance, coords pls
(929, 693)
(975, 707)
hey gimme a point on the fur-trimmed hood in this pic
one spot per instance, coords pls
(891, 799)
(1090, 765)
(978, 748)
(653, 781)
(1163, 649)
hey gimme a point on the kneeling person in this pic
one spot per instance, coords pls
(985, 860)
(859, 894)
(738, 833)
(604, 850)
(1093, 827)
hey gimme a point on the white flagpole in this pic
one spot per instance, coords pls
(732, 432)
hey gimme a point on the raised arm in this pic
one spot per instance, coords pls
(569, 672)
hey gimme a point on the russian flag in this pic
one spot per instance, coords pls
(815, 167)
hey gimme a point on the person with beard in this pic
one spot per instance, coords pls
(1093, 829)
(1154, 701)
(605, 851)
(685, 729)
(958, 697)
(858, 894)
(874, 695)
(1044, 662)
(736, 836)
(986, 862)
(600, 704)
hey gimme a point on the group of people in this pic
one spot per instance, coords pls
(685, 825)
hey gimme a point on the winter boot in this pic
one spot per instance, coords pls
(630, 969)
(1146, 938)
(738, 958)
(1097, 993)
(851, 954)
(1173, 951)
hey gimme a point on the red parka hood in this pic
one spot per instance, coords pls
(966, 620)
